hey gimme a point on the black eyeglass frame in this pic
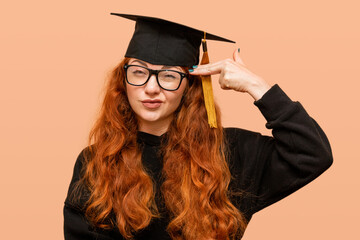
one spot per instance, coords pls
(156, 73)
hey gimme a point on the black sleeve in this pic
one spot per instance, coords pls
(76, 226)
(271, 168)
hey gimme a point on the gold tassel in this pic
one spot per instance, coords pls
(207, 89)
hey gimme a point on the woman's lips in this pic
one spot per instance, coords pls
(152, 104)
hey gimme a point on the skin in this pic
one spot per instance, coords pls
(234, 75)
(154, 117)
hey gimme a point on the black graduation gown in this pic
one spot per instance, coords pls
(269, 168)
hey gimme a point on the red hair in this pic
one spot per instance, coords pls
(196, 173)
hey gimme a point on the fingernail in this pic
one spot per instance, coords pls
(238, 50)
(191, 70)
(195, 66)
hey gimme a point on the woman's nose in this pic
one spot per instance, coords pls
(152, 86)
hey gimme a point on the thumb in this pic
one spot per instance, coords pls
(236, 56)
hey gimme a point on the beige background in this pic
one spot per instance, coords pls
(54, 56)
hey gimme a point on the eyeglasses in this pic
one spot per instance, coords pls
(169, 80)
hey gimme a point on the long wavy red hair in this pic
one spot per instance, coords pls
(196, 173)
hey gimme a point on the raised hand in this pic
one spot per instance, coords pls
(234, 75)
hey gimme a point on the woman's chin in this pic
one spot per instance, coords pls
(154, 118)
(150, 117)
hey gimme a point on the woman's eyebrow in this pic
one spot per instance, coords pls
(139, 61)
(167, 67)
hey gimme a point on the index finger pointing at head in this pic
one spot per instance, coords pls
(206, 69)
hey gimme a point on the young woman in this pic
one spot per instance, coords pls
(154, 169)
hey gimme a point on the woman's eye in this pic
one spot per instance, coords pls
(170, 76)
(138, 72)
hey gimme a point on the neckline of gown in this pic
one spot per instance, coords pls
(150, 139)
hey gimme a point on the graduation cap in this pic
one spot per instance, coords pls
(162, 42)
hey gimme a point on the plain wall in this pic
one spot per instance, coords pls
(55, 56)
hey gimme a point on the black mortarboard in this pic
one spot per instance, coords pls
(162, 42)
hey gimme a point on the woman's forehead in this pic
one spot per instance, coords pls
(152, 66)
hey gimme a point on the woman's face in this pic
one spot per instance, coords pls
(154, 106)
